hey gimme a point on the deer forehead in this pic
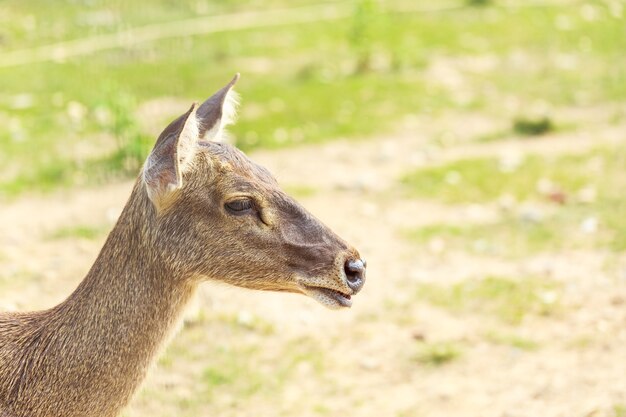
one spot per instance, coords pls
(226, 160)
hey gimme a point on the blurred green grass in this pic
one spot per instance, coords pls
(77, 122)
(437, 353)
(85, 121)
(512, 340)
(81, 231)
(508, 299)
(240, 368)
(568, 191)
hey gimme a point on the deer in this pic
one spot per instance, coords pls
(199, 210)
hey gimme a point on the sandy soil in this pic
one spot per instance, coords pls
(578, 370)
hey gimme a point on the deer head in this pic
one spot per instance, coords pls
(221, 216)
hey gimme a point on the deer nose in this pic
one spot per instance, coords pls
(355, 273)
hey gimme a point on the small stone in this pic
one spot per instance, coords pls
(531, 214)
(558, 197)
(510, 162)
(245, 318)
(589, 225)
(22, 101)
(589, 12)
(76, 111)
(418, 335)
(548, 297)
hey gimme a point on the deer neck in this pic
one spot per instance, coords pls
(105, 336)
(130, 295)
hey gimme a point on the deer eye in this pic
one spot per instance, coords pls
(241, 206)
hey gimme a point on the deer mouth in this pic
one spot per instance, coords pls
(328, 297)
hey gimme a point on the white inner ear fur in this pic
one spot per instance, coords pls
(160, 186)
(188, 141)
(218, 133)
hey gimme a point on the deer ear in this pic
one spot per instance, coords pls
(171, 156)
(218, 112)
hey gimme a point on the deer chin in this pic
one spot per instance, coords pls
(328, 297)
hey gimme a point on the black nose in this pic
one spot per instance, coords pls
(355, 273)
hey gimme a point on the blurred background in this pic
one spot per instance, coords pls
(473, 150)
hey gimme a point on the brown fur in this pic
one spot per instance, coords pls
(88, 355)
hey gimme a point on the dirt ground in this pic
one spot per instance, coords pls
(367, 354)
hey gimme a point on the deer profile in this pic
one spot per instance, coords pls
(199, 210)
